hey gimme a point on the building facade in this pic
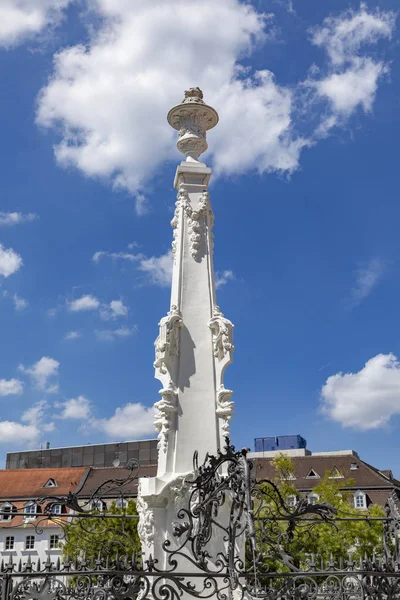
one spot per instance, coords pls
(366, 484)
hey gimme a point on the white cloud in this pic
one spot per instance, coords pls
(158, 269)
(12, 433)
(20, 303)
(131, 421)
(366, 279)
(109, 335)
(36, 414)
(46, 368)
(86, 302)
(116, 256)
(352, 79)
(136, 51)
(10, 261)
(115, 309)
(343, 36)
(21, 19)
(72, 335)
(366, 399)
(11, 386)
(14, 218)
(75, 408)
(355, 86)
(222, 278)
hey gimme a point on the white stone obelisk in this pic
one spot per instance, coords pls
(195, 341)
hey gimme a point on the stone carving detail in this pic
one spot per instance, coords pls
(167, 343)
(166, 408)
(197, 223)
(199, 220)
(181, 205)
(146, 528)
(192, 118)
(224, 407)
(222, 330)
(193, 95)
(178, 490)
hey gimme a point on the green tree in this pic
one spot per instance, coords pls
(103, 534)
(311, 536)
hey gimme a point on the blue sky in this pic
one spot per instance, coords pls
(305, 194)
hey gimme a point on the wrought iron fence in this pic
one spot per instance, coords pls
(261, 555)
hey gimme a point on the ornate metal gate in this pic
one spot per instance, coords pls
(255, 560)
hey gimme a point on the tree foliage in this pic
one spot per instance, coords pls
(326, 540)
(103, 534)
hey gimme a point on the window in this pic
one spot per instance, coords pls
(98, 505)
(353, 466)
(30, 511)
(50, 483)
(29, 542)
(312, 474)
(56, 509)
(360, 499)
(121, 503)
(9, 545)
(54, 542)
(335, 474)
(312, 498)
(6, 512)
(291, 501)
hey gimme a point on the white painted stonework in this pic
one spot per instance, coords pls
(194, 345)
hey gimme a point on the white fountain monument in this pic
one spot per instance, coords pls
(194, 345)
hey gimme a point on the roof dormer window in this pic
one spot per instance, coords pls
(6, 511)
(353, 466)
(51, 483)
(30, 511)
(312, 474)
(335, 474)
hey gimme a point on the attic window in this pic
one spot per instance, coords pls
(312, 474)
(50, 483)
(360, 499)
(353, 466)
(6, 511)
(335, 474)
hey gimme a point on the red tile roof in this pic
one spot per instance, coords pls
(29, 483)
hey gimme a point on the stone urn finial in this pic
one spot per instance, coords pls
(192, 118)
(193, 95)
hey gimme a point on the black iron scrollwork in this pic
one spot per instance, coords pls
(255, 529)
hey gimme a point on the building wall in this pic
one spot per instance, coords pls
(42, 544)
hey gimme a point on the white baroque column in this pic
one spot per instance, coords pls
(194, 345)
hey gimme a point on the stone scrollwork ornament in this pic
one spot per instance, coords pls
(222, 330)
(182, 207)
(224, 407)
(166, 408)
(146, 521)
(167, 343)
